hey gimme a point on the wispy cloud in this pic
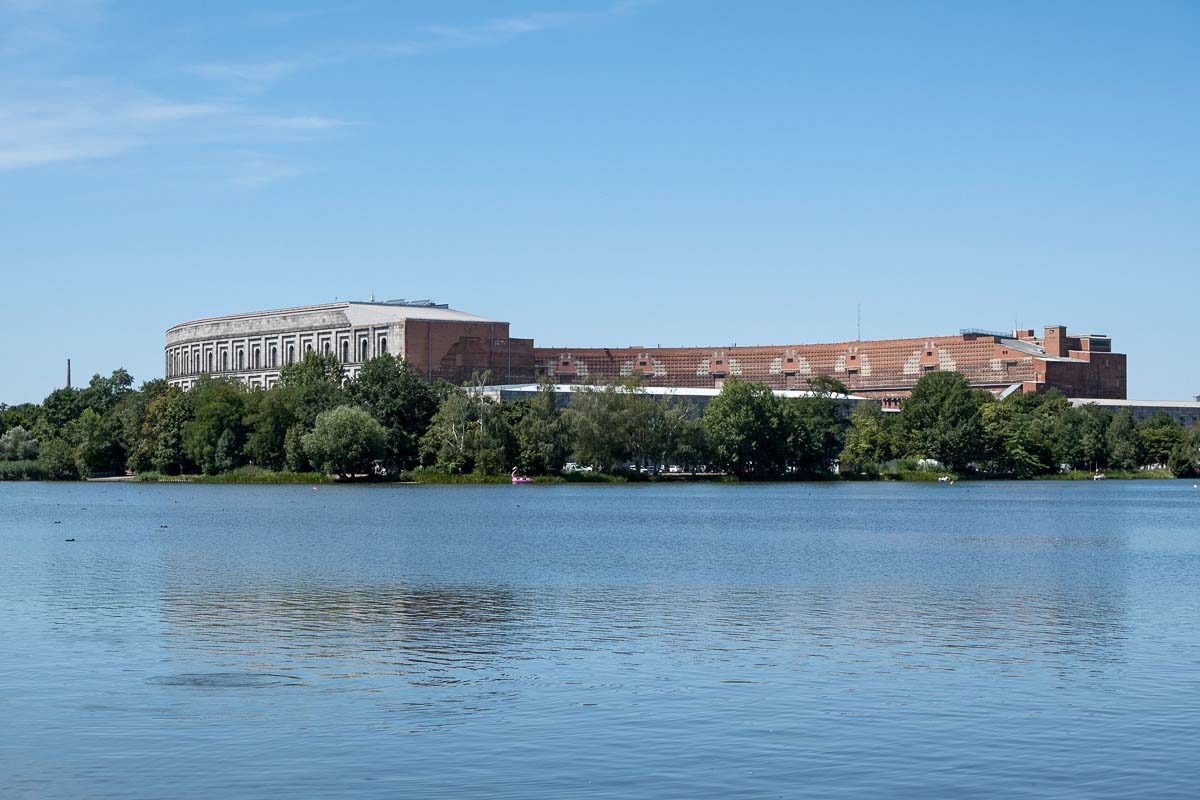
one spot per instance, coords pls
(51, 113)
(68, 120)
(259, 76)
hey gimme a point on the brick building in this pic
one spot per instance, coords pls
(887, 369)
(443, 343)
(438, 341)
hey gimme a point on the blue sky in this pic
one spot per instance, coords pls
(601, 172)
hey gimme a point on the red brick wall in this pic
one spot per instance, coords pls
(453, 351)
(884, 368)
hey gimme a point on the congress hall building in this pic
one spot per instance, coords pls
(443, 343)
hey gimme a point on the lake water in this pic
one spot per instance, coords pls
(803, 640)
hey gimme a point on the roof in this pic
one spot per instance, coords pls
(1083, 401)
(360, 313)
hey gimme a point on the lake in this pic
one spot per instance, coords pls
(641, 641)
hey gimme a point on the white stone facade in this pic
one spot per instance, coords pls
(254, 347)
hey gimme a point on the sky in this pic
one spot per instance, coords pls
(601, 172)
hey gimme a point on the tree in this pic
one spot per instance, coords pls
(400, 401)
(745, 429)
(817, 431)
(314, 384)
(1124, 445)
(868, 439)
(56, 461)
(18, 444)
(161, 446)
(103, 394)
(97, 449)
(346, 440)
(827, 386)
(542, 432)
(1158, 437)
(469, 433)
(942, 420)
(60, 408)
(599, 426)
(269, 416)
(214, 436)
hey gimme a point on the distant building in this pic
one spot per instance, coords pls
(1185, 412)
(887, 370)
(438, 342)
(442, 343)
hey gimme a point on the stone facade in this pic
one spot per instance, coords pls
(439, 342)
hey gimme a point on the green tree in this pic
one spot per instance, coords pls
(1124, 444)
(18, 444)
(868, 440)
(942, 419)
(60, 408)
(269, 416)
(469, 433)
(97, 449)
(25, 415)
(599, 426)
(345, 440)
(213, 438)
(314, 384)
(400, 401)
(295, 458)
(103, 394)
(161, 446)
(1158, 437)
(56, 461)
(746, 430)
(542, 432)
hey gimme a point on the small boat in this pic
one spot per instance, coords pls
(1099, 476)
(520, 478)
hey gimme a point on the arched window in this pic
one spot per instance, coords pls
(325, 348)
(308, 348)
(362, 349)
(382, 344)
(254, 358)
(187, 363)
(224, 362)
(241, 360)
(291, 353)
(345, 352)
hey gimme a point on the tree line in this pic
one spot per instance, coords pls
(388, 423)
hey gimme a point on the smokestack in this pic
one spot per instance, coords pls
(68, 373)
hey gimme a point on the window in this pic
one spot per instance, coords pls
(274, 357)
(255, 357)
(241, 360)
(382, 344)
(345, 352)
(291, 353)
(188, 362)
(325, 349)
(307, 347)
(362, 350)
(851, 371)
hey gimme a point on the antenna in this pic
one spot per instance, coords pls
(68, 373)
